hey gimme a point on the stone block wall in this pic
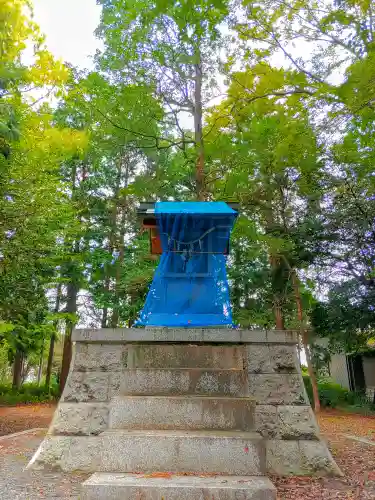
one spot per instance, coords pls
(283, 415)
(266, 362)
(94, 379)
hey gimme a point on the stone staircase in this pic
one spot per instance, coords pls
(181, 427)
(170, 414)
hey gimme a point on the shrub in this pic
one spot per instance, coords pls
(28, 393)
(330, 394)
(334, 395)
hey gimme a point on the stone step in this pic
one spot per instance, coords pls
(185, 356)
(221, 452)
(184, 381)
(182, 412)
(133, 486)
(146, 451)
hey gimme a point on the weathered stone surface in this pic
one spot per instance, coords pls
(258, 358)
(99, 357)
(225, 335)
(69, 453)
(282, 337)
(181, 412)
(190, 381)
(181, 451)
(272, 358)
(89, 386)
(266, 420)
(115, 379)
(149, 451)
(130, 487)
(283, 457)
(296, 422)
(185, 356)
(286, 422)
(98, 374)
(284, 358)
(277, 388)
(299, 458)
(316, 458)
(80, 419)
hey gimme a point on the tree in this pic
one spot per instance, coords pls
(271, 163)
(292, 143)
(35, 212)
(121, 149)
(173, 49)
(34, 209)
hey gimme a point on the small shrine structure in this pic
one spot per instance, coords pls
(186, 407)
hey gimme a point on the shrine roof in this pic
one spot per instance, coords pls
(194, 207)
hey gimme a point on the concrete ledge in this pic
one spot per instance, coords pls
(133, 486)
(181, 412)
(224, 335)
(104, 366)
(35, 430)
(216, 452)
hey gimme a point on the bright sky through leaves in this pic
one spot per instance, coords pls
(69, 28)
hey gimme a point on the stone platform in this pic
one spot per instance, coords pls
(184, 402)
(113, 486)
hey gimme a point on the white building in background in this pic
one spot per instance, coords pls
(355, 372)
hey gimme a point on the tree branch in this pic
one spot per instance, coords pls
(156, 139)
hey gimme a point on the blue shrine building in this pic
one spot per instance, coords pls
(190, 286)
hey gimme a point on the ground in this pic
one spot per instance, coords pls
(19, 418)
(356, 459)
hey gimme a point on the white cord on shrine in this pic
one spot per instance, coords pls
(191, 243)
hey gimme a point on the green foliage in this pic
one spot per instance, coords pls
(28, 393)
(293, 144)
(332, 395)
(347, 318)
(4, 362)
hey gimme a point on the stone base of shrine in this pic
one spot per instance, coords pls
(186, 402)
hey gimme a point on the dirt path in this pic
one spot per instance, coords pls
(16, 483)
(18, 418)
(336, 421)
(356, 460)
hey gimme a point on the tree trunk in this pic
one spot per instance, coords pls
(50, 360)
(105, 309)
(40, 369)
(112, 244)
(277, 301)
(71, 308)
(17, 369)
(53, 338)
(198, 129)
(72, 291)
(305, 340)
(120, 260)
(310, 369)
(279, 319)
(121, 249)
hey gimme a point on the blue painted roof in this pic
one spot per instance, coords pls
(193, 207)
